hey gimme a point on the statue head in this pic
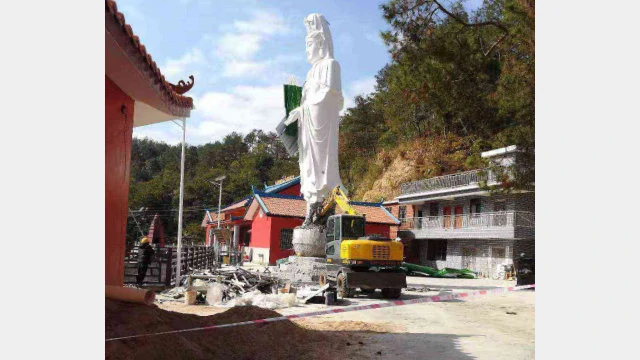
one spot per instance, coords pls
(316, 47)
(319, 41)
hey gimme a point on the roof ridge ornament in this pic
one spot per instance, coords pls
(182, 87)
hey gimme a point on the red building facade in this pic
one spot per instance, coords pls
(136, 94)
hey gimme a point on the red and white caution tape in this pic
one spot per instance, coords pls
(426, 299)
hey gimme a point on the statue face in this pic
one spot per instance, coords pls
(313, 50)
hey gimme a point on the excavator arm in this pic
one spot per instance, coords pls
(339, 198)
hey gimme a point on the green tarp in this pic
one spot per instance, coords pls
(446, 272)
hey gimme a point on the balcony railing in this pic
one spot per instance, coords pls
(448, 181)
(478, 221)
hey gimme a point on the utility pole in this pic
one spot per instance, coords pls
(218, 181)
(179, 255)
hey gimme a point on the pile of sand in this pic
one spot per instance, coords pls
(278, 340)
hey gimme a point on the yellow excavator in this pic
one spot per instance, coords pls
(355, 260)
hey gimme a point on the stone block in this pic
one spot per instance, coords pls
(309, 241)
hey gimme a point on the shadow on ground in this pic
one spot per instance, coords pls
(277, 340)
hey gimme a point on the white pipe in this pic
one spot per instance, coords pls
(184, 131)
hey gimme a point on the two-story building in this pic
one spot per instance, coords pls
(455, 221)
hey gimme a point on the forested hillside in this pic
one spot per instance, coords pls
(458, 84)
(252, 159)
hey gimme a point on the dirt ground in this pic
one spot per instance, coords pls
(485, 327)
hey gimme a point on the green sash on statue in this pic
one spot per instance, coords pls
(292, 97)
(289, 134)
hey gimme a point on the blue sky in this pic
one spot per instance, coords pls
(241, 52)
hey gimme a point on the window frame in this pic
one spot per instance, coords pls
(282, 238)
(402, 212)
(330, 231)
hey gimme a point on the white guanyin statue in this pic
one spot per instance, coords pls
(317, 117)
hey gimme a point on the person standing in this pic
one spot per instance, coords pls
(145, 254)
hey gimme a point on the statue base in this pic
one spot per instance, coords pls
(304, 270)
(309, 241)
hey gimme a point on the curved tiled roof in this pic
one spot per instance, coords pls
(282, 186)
(214, 214)
(175, 98)
(295, 206)
(238, 204)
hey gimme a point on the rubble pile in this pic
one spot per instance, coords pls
(233, 286)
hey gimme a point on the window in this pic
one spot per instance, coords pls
(352, 228)
(389, 209)
(402, 212)
(331, 229)
(286, 238)
(437, 250)
(475, 206)
(246, 238)
(498, 252)
(433, 209)
(331, 250)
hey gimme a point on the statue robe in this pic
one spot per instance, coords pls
(318, 130)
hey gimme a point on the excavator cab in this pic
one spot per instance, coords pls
(347, 244)
(341, 227)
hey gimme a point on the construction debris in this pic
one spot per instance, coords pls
(215, 294)
(265, 301)
(315, 293)
(232, 286)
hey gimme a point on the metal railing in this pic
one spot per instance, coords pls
(448, 181)
(162, 270)
(487, 220)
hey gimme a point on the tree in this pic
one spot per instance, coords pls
(461, 73)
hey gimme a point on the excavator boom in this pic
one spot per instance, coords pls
(339, 198)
